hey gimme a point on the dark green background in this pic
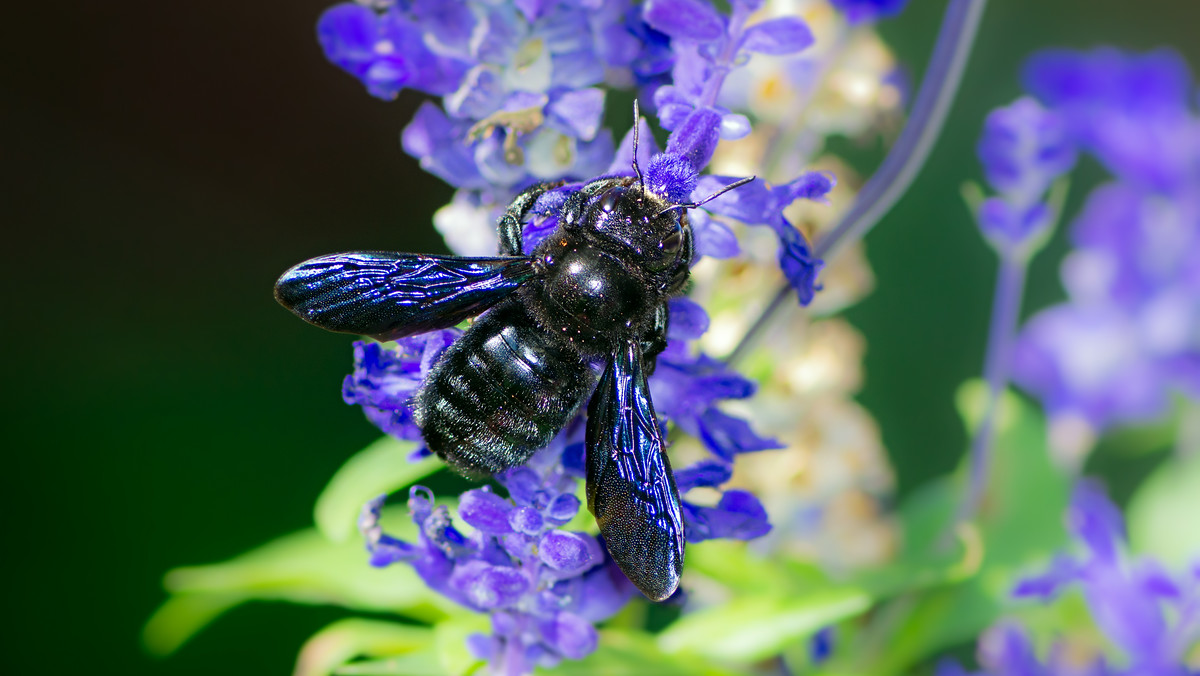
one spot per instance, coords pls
(163, 162)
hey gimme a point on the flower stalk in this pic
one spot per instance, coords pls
(1002, 334)
(956, 37)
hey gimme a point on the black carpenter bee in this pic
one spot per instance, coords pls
(593, 293)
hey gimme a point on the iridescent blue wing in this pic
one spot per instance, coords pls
(392, 295)
(630, 488)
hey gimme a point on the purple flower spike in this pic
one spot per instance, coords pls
(1130, 110)
(1137, 605)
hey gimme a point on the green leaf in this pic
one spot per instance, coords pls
(381, 468)
(423, 663)
(757, 627)
(732, 564)
(451, 642)
(181, 616)
(1018, 529)
(635, 653)
(1162, 514)
(303, 567)
(344, 640)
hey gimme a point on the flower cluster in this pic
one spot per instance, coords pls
(1130, 333)
(1150, 615)
(543, 587)
(488, 139)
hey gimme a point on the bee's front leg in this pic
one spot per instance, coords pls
(655, 339)
(512, 223)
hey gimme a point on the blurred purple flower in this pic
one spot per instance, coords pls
(387, 51)
(1130, 333)
(859, 11)
(1130, 110)
(1024, 148)
(1152, 617)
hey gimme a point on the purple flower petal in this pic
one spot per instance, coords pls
(738, 515)
(1096, 521)
(685, 20)
(562, 509)
(577, 112)
(570, 635)
(712, 237)
(569, 553)
(438, 144)
(1006, 649)
(603, 591)
(785, 35)
(486, 586)
(485, 511)
(688, 320)
(1063, 571)
(526, 520)
(623, 161)
(710, 472)
(347, 32)
(728, 436)
(696, 137)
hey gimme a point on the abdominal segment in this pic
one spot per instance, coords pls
(500, 393)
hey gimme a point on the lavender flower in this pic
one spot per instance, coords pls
(1024, 148)
(387, 49)
(1130, 333)
(543, 587)
(1150, 615)
(384, 379)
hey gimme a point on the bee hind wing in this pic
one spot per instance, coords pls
(630, 487)
(388, 295)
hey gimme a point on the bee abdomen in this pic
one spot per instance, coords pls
(500, 393)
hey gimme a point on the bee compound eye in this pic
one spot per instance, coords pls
(672, 242)
(608, 201)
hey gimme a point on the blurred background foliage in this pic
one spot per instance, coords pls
(163, 162)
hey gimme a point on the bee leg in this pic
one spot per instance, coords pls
(512, 223)
(655, 340)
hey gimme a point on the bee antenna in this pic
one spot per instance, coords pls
(692, 205)
(637, 123)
